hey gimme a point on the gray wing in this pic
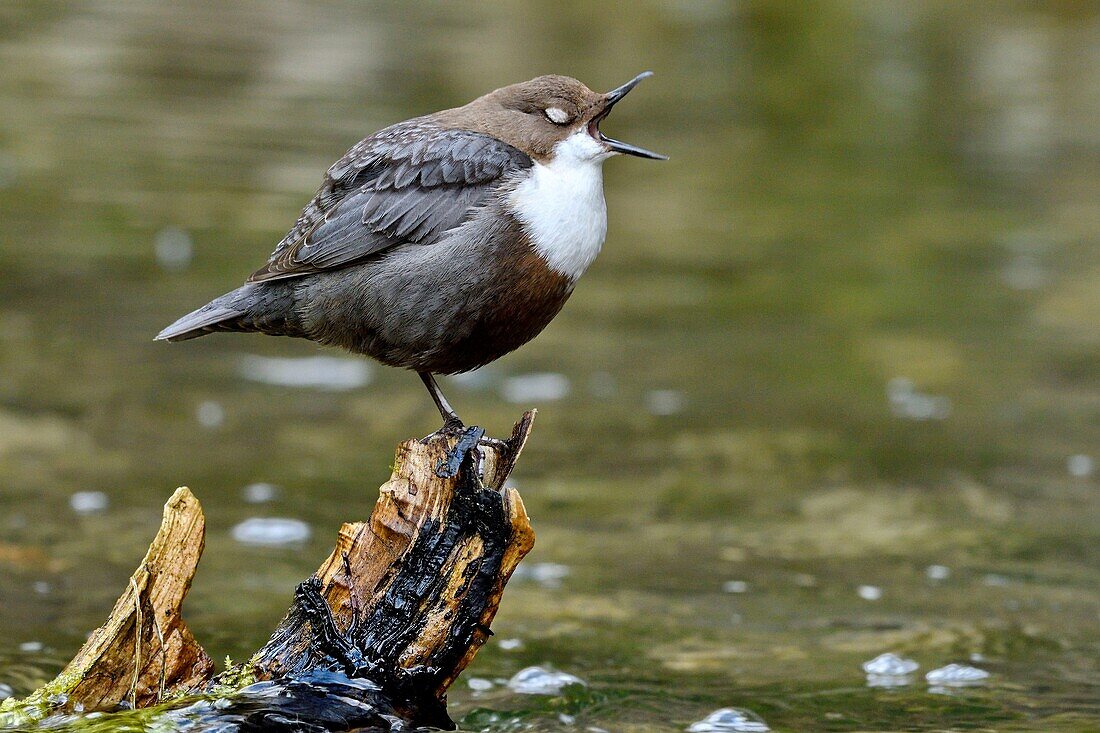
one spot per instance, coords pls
(407, 184)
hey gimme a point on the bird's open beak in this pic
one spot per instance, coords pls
(610, 99)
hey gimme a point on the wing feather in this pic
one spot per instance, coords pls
(408, 184)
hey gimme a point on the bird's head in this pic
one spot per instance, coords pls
(551, 115)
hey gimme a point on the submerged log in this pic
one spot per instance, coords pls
(402, 604)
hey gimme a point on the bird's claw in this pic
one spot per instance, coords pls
(450, 427)
(497, 443)
(468, 440)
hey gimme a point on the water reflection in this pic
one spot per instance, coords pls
(546, 574)
(937, 572)
(174, 249)
(89, 502)
(271, 531)
(317, 372)
(260, 493)
(535, 388)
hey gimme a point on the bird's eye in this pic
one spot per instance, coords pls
(557, 115)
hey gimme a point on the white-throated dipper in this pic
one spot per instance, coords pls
(441, 243)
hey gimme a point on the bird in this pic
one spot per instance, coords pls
(441, 243)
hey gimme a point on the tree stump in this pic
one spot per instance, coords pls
(392, 616)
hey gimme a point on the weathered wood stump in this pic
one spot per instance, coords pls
(396, 612)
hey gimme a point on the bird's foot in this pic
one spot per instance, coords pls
(451, 426)
(501, 445)
(467, 443)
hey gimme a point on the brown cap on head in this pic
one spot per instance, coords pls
(535, 115)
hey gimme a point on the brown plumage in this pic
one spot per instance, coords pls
(441, 243)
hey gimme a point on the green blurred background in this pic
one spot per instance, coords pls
(848, 332)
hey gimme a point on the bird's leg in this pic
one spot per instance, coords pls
(451, 423)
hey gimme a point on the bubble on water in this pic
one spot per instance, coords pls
(546, 574)
(937, 572)
(6, 691)
(995, 580)
(726, 720)
(510, 645)
(890, 665)
(664, 402)
(735, 586)
(869, 592)
(31, 647)
(909, 403)
(1080, 465)
(259, 493)
(535, 387)
(271, 531)
(977, 657)
(174, 248)
(542, 681)
(479, 684)
(41, 587)
(89, 502)
(957, 675)
(210, 414)
(327, 373)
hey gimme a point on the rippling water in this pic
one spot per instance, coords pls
(848, 333)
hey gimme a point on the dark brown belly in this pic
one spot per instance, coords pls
(445, 308)
(519, 311)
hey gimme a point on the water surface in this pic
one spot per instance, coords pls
(848, 333)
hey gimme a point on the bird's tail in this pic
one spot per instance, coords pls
(265, 307)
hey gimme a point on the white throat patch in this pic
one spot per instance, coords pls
(561, 205)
